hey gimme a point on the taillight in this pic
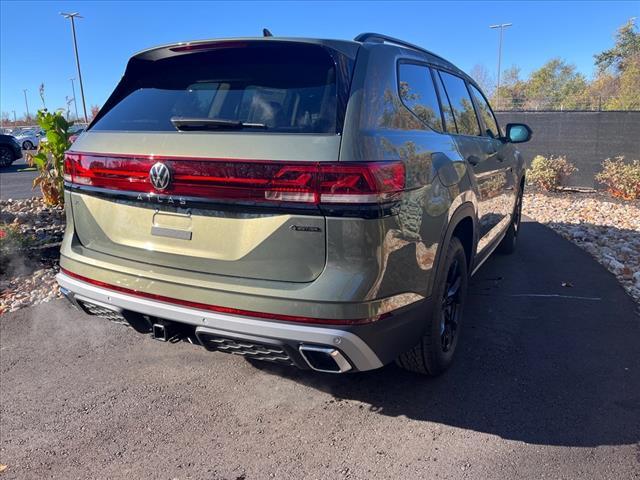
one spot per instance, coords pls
(375, 182)
(252, 181)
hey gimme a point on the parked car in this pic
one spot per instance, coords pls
(10, 150)
(29, 139)
(316, 203)
(76, 132)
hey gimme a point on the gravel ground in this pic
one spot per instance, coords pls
(27, 275)
(607, 228)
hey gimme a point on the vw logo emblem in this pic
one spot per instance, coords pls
(160, 176)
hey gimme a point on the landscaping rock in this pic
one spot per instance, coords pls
(27, 276)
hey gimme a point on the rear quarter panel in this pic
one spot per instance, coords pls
(379, 127)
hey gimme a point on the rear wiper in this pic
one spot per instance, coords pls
(191, 124)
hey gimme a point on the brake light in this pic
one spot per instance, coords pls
(243, 180)
(208, 46)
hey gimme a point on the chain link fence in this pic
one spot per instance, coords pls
(547, 104)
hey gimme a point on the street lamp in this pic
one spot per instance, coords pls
(26, 103)
(72, 17)
(501, 26)
(75, 104)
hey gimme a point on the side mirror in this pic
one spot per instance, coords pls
(518, 133)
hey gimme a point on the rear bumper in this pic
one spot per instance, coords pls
(365, 347)
(357, 351)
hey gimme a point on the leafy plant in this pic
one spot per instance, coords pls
(550, 173)
(49, 160)
(621, 178)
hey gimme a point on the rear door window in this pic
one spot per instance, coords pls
(461, 104)
(289, 88)
(418, 94)
(447, 113)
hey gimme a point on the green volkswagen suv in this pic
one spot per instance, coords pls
(316, 203)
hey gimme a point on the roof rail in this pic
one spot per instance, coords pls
(381, 38)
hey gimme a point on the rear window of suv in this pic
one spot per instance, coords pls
(418, 93)
(288, 88)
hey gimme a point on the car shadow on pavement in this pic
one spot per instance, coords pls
(538, 362)
(15, 168)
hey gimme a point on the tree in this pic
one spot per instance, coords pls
(483, 78)
(41, 92)
(628, 92)
(618, 79)
(556, 85)
(94, 111)
(602, 89)
(512, 91)
(624, 53)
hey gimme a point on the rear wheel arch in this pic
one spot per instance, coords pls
(461, 225)
(465, 231)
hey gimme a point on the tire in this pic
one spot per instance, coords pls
(510, 241)
(6, 157)
(27, 145)
(436, 350)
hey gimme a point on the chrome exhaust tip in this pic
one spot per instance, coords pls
(324, 359)
(68, 294)
(159, 332)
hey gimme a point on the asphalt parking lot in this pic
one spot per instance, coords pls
(16, 183)
(547, 385)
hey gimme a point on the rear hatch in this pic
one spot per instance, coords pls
(206, 158)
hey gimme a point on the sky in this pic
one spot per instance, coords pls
(36, 44)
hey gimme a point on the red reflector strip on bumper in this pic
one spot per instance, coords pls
(219, 309)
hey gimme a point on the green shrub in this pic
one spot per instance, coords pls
(550, 173)
(49, 160)
(621, 178)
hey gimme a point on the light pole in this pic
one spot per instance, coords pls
(72, 17)
(501, 26)
(15, 122)
(26, 103)
(75, 104)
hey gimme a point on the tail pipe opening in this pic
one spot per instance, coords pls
(324, 359)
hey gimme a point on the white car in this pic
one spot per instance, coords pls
(29, 139)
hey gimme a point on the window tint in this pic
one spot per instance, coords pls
(461, 104)
(288, 88)
(450, 123)
(419, 95)
(485, 112)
